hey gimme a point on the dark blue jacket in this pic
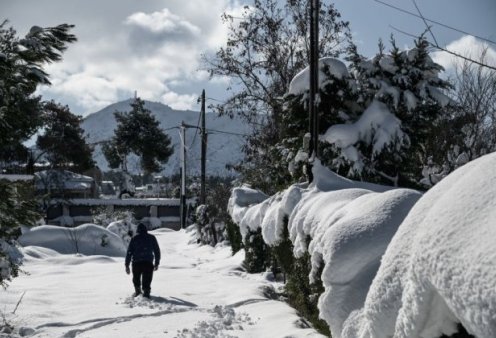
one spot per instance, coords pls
(143, 248)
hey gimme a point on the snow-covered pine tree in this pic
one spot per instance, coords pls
(404, 101)
(337, 105)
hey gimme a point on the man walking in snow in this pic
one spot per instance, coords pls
(142, 251)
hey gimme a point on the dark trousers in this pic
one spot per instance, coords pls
(142, 276)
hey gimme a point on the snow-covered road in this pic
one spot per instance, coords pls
(198, 291)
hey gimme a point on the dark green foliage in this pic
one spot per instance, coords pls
(304, 296)
(138, 132)
(212, 218)
(234, 236)
(17, 207)
(394, 79)
(21, 71)
(114, 153)
(62, 142)
(283, 252)
(257, 253)
(337, 105)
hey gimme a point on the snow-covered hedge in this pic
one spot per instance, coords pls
(349, 223)
(439, 269)
(395, 263)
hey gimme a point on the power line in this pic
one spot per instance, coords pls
(196, 130)
(227, 132)
(425, 22)
(434, 22)
(446, 50)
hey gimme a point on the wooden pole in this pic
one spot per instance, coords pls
(314, 84)
(183, 175)
(203, 150)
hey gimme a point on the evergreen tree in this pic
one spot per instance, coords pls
(138, 132)
(21, 71)
(63, 143)
(265, 49)
(337, 104)
(17, 208)
(404, 103)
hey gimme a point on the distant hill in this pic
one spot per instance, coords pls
(222, 148)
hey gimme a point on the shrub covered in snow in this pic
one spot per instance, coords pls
(438, 269)
(209, 229)
(86, 239)
(104, 217)
(233, 235)
(120, 222)
(338, 230)
(377, 117)
(391, 264)
(212, 217)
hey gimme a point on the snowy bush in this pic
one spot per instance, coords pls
(86, 239)
(120, 222)
(103, 216)
(338, 230)
(125, 229)
(438, 270)
(257, 252)
(233, 235)
(212, 218)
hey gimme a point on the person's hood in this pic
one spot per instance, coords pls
(141, 229)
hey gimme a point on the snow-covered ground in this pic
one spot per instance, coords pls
(198, 291)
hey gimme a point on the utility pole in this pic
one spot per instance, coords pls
(183, 175)
(203, 149)
(314, 86)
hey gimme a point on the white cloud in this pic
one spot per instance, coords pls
(162, 22)
(155, 52)
(180, 102)
(467, 46)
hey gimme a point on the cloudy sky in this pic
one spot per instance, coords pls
(154, 46)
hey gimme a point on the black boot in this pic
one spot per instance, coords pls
(137, 292)
(146, 293)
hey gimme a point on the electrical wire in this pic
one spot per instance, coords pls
(434, 22)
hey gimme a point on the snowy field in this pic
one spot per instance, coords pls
(198, 291)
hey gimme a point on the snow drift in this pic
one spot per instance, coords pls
(439, 268)
(86, 239)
